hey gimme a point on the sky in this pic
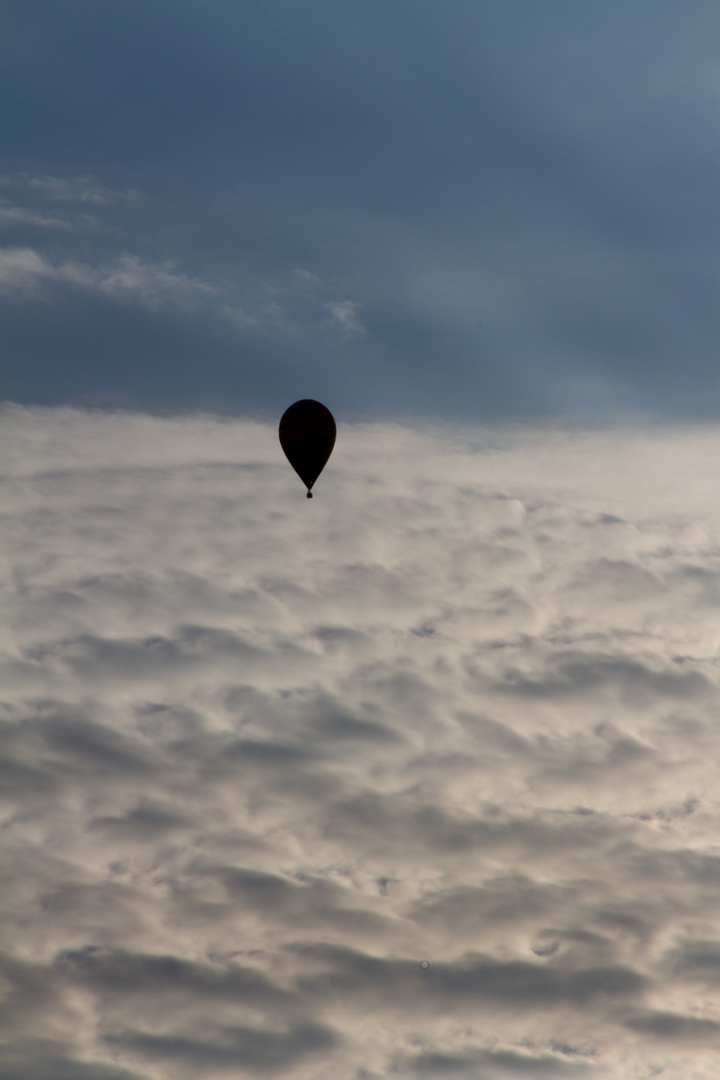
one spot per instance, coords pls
(478, 211)
(416, 780)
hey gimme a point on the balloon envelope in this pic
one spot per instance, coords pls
(307, 435)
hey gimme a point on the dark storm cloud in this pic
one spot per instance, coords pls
(447, 987)
(144, 820)
(672, 1026)
(577, 675)
(309, 902)
(20, 779)
(698, 960)
(102, 658)
(428, 827)
(90, 745)
(502, 1063)
(506, 899)
(261, 1050)
(37, 1060)
(28, 992)
(478, 210)
(114, 972)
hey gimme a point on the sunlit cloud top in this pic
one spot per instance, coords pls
(417, 779)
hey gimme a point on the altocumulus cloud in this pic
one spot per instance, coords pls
(418, 779)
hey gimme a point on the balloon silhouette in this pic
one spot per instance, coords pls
(307, 435)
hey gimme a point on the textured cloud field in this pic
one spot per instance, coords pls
(417, 779)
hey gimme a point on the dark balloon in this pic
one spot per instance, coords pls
(307, 435)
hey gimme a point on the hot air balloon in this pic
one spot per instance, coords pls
(307, 435)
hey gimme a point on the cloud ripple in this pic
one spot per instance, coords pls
(417, 779)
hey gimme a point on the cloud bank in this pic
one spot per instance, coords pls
(418, 779)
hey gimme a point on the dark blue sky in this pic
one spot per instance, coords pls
(479, 211)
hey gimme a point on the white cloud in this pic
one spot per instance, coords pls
(30, 274)
(306, 278)
(239, 316)
(21, 269)
(152, 283)
(265, 756)
(78, 189)
(345, 313)
(26, 272)
(16, 215)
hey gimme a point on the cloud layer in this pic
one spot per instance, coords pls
(418, 779)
